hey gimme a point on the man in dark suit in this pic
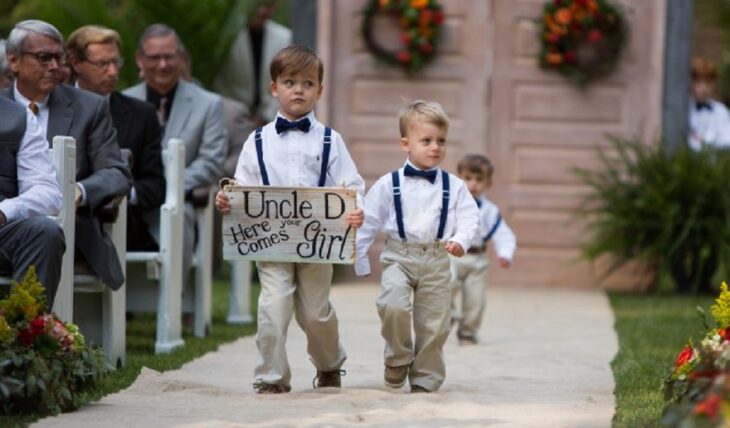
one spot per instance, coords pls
(35, 52)
(95, 57)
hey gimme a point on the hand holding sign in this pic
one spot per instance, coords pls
(313, 225)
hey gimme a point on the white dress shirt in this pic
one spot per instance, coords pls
(43, 109)
(294, 159)
(709, 127)
(38, 190)
(421, 206)
(503, 238)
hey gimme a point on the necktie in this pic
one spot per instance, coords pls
(703, 105)
(33, 107)
(409, 171)
(161, 112)
(283, 125)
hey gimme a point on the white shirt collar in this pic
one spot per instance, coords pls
(42, 103)
(408, 162)
(310, 116)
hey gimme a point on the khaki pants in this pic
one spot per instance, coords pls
(421, 270)
(304, 290)
(469, 275)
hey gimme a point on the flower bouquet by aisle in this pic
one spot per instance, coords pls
(45, 364)
(697, 392)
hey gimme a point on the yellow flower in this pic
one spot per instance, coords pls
(6, 332)
(721, 309)
(419, 4)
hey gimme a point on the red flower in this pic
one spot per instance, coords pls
(594, 36)
(569, 57)
(710, 406)
(553, 37)
(405, 37)
(438, 17)
(684, 357)
(426, 47)
(425, 17)
(724, 333)
(581, 3)
(36, 328)
(403, 56)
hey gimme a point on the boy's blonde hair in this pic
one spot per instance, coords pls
(703, 69)
(293, 60)
(426, 111)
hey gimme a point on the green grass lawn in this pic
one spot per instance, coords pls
(141, 348)
(652, 329)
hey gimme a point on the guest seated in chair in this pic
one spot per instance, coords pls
(35, 52)
(95, 57)
(29, 192)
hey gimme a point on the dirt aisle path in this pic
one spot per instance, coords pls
(543, 362)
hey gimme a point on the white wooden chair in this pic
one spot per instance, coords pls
(166, 265)
(201, 300)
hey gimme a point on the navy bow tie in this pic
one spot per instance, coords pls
(409, 171)
(283, 125)
(703, 105)
(479, 202)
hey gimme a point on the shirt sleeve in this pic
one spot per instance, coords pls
(505, 242)
(377, 204)
(467, 217)
(38, 190)
(247, 170)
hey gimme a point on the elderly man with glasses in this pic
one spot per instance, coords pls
(35, 53)
(95, 56)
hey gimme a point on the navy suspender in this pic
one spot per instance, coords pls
(325, 156)
(494, 228)
(260, 156)
(444, 204)
(399, 207)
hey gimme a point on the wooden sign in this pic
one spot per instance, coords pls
(289, 224)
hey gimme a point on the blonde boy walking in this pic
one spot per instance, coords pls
(295, 150)
(427, 214)
(469, 273)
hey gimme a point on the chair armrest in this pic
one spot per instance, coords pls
(198, 196)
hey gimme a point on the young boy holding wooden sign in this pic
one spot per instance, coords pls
(427, 214)
(295, 150)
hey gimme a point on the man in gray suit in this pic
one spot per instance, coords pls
(185, 111)
(35, 52)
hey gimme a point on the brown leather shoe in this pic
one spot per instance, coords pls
(415, 389)
(466, 340)
(267, 388)
(331, 379)
(395, 377)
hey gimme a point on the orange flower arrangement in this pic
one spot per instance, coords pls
(420, 22)
(581, 39)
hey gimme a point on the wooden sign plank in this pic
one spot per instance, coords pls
(289, 224)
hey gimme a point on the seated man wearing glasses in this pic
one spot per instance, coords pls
(35, 52)
(95, 56)
(185, 111)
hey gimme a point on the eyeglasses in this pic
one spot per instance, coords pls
(45, 58)
(104, 65)
(158, 58)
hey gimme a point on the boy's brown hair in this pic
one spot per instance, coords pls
(80, 39)
(427, 111)
(293, 60)
(476, 164)
(703, 69)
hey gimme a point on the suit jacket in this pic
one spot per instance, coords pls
(138, 130)
(99, 168)
(196, 117)
(234, 80)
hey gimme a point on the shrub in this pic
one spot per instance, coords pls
(670, 209)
